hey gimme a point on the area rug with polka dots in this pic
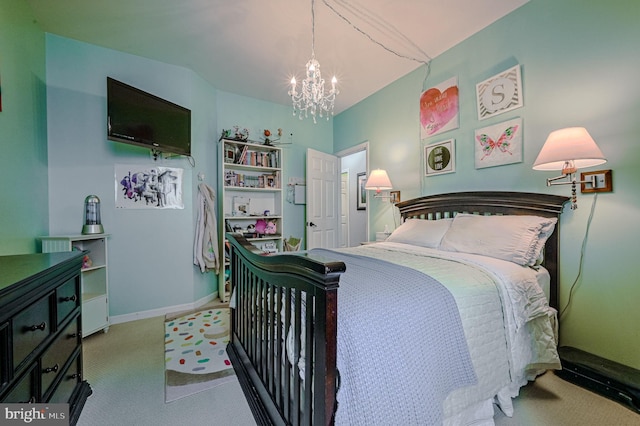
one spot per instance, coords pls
(195, 352)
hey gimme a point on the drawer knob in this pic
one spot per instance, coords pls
(41, 326)
(70, 298)
(53, 369)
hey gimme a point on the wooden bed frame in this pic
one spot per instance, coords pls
(276, 293)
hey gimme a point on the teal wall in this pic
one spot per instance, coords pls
(150, 251)
(580, 62)
(23, 130)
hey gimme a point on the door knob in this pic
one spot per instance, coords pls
(312, 224)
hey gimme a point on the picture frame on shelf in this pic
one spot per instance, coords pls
(241, 206)
(229, 154)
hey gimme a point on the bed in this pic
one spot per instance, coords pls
(449, 316)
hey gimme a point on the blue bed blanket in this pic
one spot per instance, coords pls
(401, 346)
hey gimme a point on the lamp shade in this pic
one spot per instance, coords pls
(573, 144)
(378, 180)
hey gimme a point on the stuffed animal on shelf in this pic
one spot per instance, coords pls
(261, 226)
(270, 228)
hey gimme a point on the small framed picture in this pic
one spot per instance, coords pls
(241, 206)
(361, 199)
(440, 158)
(229, 154)
(394, 197)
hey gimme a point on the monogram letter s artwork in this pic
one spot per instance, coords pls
(499, 144)
(500, 93)
(439, 108)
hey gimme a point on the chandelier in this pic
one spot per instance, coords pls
(312, 99)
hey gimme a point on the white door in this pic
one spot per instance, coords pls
(322, 199)
(344, 208)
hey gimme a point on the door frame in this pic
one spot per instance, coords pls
(364, 146)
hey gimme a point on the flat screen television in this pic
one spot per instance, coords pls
(139, 118)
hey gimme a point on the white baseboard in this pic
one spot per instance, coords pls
(118, 319)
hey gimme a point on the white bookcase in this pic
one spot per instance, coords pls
(249, 196)
(94, 276)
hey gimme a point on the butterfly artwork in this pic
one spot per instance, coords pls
(499, 144)
(503, 142)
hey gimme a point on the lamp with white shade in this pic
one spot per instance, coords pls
(378, 181)
(568, 150)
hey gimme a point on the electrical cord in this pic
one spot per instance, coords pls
(582, 250)
(382, 26)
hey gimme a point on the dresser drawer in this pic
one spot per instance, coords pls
(67, 298)
(55, 358)
(25, 389)
(30, 327)
(70, 378)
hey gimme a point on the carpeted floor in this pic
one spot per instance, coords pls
(125, 368)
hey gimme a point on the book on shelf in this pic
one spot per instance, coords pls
(243, 155)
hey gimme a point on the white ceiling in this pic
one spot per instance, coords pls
(254, 47)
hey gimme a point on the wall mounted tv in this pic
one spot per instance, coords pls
(140, 118)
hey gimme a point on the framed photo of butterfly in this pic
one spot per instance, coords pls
(499, 144)
(440, 158)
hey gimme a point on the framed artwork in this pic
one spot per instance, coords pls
(229, 154)
(394, 197)
(440, 158)
(500, 93)
(146, 187)
(361, 198)
(499, 144)
(439, 110)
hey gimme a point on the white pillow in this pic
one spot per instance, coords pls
(421, 232)
(518, 239)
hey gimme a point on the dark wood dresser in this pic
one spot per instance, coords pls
(40, 330)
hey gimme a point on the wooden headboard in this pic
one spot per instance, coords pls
(440, 206)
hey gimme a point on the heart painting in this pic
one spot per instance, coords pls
(439, 109)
